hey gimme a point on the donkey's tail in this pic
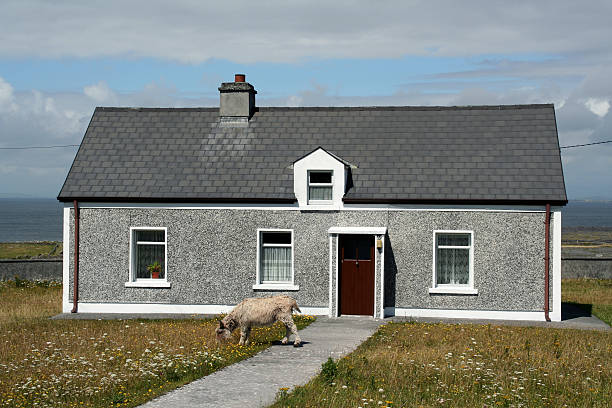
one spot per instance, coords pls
(294, 306)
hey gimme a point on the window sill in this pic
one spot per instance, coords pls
(275, 286)
(453, 291)
(152, 283)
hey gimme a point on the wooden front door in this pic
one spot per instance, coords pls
(356, 277)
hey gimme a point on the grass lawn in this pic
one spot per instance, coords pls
(76, 363)
(433, 365)
(436, 365)
(594, 295)
(26, 250)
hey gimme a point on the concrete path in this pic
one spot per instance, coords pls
(254, 382)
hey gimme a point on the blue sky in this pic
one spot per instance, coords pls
(58, 60)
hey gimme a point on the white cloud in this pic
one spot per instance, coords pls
(99, 92)
(600, 107)
(7, 98)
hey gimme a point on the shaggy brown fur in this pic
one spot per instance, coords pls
(260, 312)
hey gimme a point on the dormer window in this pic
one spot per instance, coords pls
(319, 180)
(320, 187)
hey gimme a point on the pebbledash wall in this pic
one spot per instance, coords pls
(212, 257)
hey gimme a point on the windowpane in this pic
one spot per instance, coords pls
(276, 238)
(363, 249)
(150, 235)
(320, 193)
(453, 240)
(276, 264)
(321, 177)
(146, 255)
(453, 266)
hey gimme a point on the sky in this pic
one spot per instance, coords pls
(61, 59)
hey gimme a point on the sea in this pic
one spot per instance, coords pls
(40, 219)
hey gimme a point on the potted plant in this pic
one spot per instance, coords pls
(154, 269)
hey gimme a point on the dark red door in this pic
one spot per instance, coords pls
(356, 277)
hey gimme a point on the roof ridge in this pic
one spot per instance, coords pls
(335, 108)
(406, 107)
(139, 108)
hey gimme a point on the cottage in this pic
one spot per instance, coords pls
(378, 211)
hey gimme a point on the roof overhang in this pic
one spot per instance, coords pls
(453, 201)
(180, 200)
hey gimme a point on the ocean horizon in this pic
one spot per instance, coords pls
(40, 219)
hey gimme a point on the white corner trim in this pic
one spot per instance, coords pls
(66, 307)
(358, 230)
(147, 308)
(467, 314)
(453, 291)
(152, 283)
(337, 257)
(330, 275)
(382, 276)
(555, 316)
(275, 286)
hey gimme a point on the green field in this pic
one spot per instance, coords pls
(29, 250)
(104, 363)
(447, 365)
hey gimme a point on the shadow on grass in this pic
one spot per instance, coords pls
(570, 310)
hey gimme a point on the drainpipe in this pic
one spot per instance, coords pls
(75, 283)
(547, 263)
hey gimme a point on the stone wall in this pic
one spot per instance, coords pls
(600, 268)
(34, 269)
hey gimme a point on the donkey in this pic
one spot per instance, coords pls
(260, 312)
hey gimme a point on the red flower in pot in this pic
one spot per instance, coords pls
(154, 269)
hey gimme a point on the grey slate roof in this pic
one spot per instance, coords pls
(402, 154)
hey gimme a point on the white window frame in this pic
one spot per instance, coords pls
(330, 185)
(144, 282)
(456, 289)
(274, 285)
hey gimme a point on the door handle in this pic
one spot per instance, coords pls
(357, 264)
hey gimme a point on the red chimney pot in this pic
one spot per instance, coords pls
(239, 78)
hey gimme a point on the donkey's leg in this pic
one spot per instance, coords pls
(285, 339)
(244, 335)
(288, 322)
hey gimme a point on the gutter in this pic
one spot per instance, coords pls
(547, 263)
(75, 283)
(178, 200)
(443, 201)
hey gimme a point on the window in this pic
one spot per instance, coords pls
(320, 185)
(453, 262)
(275, 260)
(148, 249)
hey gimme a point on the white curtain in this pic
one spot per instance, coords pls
(320, 193)
(276, 264)
(453, 266)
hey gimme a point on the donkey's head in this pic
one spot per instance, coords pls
(223, 332)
